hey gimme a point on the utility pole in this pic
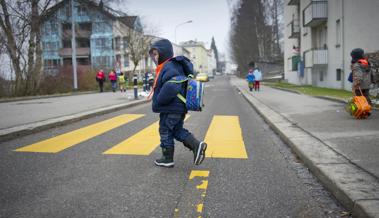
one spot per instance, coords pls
(73, 46)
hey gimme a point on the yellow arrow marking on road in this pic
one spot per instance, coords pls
(142, 143)
(224, 138)
(61, 142)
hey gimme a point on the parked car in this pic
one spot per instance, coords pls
(203, 77)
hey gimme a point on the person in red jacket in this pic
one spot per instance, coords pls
(113, 78)
(100, 78)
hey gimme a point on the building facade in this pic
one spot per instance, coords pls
(100, 37)
(199, 55)
(319, 36)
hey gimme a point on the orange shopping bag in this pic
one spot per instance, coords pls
(363, 108)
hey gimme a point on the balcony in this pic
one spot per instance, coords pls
(315, 13)
(294, 29)
(80, 52)
(294, 2)
(78, 33)
(316, 57)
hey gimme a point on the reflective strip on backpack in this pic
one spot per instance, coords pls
(182, 98)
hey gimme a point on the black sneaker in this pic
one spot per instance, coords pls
(199, 153)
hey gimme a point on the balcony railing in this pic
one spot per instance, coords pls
(79, 33)
(294, 29)
(315, 13)
(316, 57)
(80, 52)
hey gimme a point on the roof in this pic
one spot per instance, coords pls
(108, 11)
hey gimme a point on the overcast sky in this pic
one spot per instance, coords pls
(210, 18)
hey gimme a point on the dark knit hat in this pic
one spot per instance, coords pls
(356, 54)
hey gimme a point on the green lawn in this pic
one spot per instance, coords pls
(312, 90)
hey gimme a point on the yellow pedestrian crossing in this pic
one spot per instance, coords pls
(64, 141)
(224, 138)
(142, 143)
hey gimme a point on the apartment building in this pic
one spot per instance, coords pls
(200, 56)
(100, 36)
(319, 35)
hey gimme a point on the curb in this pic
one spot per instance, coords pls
(5, 100)
(357, 190)
(286, 90)
(9, 133)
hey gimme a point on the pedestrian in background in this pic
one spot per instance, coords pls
(258, 77)
(171, 109)
(121, 82)
(361, 71)
(100, 78)
(113, 78)
(250, 79)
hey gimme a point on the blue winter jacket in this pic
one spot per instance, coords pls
(250, 77)
(165, 98)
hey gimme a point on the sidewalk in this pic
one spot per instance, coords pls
(24, 117)
(341, 151)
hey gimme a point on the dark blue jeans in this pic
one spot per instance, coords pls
(170, 128)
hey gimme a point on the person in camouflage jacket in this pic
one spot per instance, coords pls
(362, 75)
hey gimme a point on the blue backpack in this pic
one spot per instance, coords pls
(194, 92)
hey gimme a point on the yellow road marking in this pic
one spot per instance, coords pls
(224, 138)
(61, 142)
(192, 201)
(142, 143)
(198, 173)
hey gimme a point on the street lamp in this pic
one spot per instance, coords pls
(189, 21)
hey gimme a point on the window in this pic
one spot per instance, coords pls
(126, 60)
(66, 43)
(117, 43)
(321, 73)
(338, 33)
(85, 26)
(81, 11)
(102, 27)
(49, 46)
(100, 43)
(83, 61)
(339, 73)
(125, 42)
(68, 10)
(305, 31)
(83, 43)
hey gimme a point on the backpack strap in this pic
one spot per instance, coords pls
(180, 79)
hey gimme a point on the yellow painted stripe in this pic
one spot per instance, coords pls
(192, 201)
(224, 138)
(142, 143)
(61, 142)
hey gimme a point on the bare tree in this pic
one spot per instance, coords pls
(20, 23)
(254, 35)
(139, 43)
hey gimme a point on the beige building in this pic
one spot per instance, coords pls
(319, 36)
(198, 55)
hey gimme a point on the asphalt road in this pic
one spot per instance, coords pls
(262, 179)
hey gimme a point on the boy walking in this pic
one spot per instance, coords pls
(250, 79)
(171, 109)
